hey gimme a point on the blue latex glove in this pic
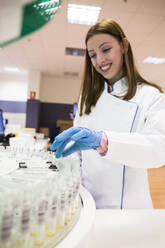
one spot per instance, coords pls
(84, 139)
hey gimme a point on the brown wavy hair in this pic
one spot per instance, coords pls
(92, 84)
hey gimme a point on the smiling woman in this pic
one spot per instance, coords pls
(119, 125)
(119, 58)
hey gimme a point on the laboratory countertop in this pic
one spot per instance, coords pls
(128, 229)
(108, 228)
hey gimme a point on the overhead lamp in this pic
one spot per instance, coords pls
(154, 60)
(11, 69)
(82, 14)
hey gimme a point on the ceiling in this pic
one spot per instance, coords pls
(143, 21)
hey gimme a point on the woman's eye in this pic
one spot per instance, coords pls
(92, 56)
(106, 50)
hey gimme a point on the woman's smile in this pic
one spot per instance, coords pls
(106, 68)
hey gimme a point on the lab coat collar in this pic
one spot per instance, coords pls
(120, 87)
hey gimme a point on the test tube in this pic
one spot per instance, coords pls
(43, 209)
(6, 218)
(52, 209)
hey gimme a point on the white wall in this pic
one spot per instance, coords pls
(59, 89)
(13, 87)
(34, 78)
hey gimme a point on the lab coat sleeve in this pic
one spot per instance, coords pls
(143, 149)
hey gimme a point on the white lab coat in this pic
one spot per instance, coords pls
(136, 137)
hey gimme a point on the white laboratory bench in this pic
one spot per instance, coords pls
(128, 229)
(115, 228)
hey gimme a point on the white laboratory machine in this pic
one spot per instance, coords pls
(41, 201)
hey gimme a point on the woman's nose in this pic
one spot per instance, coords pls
(100, 59)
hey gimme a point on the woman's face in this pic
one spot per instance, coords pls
(106, 55)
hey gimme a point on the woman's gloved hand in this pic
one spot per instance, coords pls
(83, 138)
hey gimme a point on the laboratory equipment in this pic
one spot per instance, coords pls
(40, 202)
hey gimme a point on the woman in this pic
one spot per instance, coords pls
(120, 125)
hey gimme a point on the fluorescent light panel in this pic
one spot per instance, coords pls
(83, 14)
(14, 70)
(154, 60)
(11, 69)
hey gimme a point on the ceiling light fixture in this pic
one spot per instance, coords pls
(82, 14)
(154, 60)
(11, 69)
